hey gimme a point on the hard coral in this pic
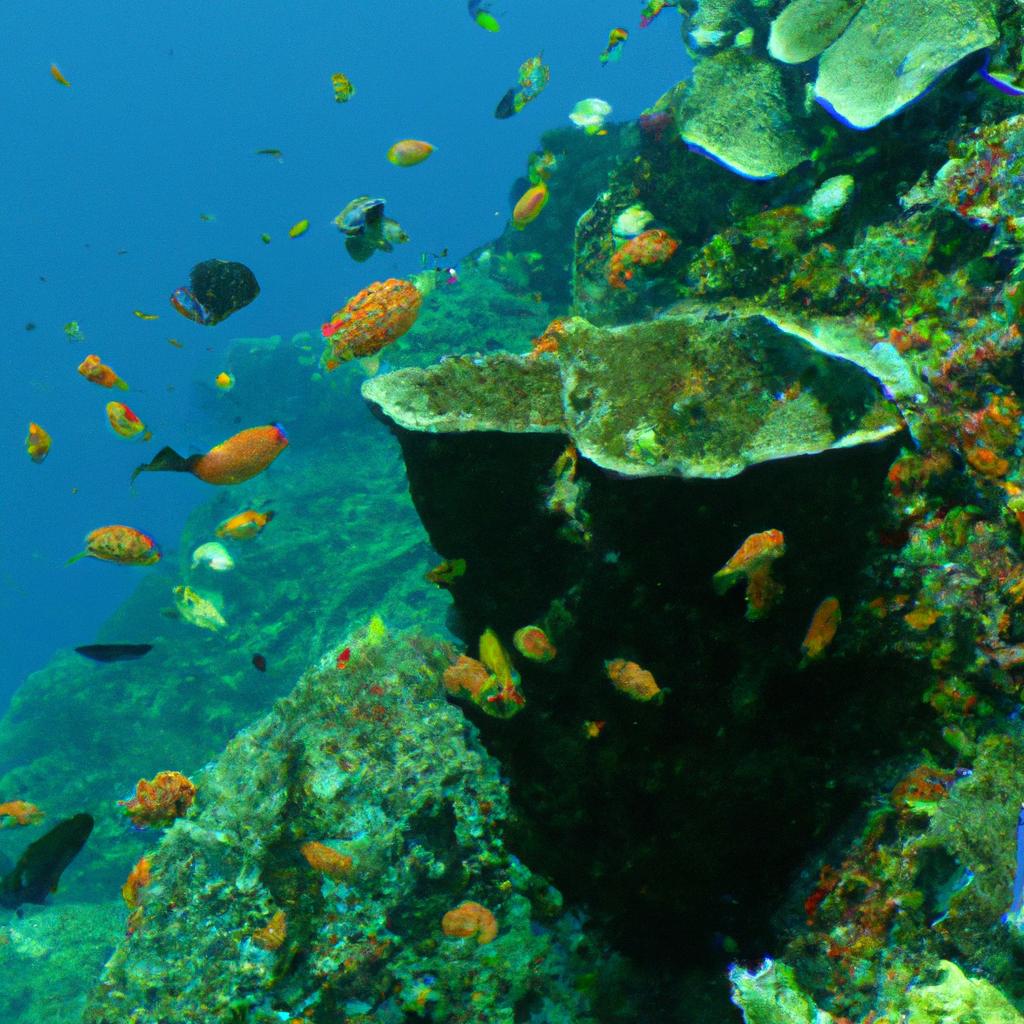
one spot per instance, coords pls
(370, 320)
(648, 249)
(168, 796)
(470, 919)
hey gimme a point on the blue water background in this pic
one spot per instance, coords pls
(103, 185)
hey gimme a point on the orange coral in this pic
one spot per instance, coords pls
(648, 249)
(375, 317)
(272, 935)
(635, 682)
(549, 339)
(327, 860)
(159, 802)
(20, 813)
(138, 878)
(753, 561)
(469, 919)
(467, 676)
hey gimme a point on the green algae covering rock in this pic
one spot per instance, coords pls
(771, 995)
(894, 50)
(958, 998)
(317, 878)
(703, 394)
(740, 113)
(458, 394)
(808, 27)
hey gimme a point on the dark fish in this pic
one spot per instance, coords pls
(259, 663)
(114, 652)
(506, 106)
(39, 868)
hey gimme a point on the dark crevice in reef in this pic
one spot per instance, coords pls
(685, 820)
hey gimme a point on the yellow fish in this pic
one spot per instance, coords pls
(409, 152)
(197, 610)
(146, 316)
(58, 77)
(531, 202)
(224, 381)
(37, 444)
(245, 525)
(299, 228)
(344, 90)
(124, 422)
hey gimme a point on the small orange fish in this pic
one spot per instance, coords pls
(245, 525)
(409, 152)
(232, 461)
(20, 813)
(58, 77)
(121, 544)
(175, 343)
(37, 444)
(531, 202)
(635, 682)
(224, 381)
(93, 370)
(343, 658)
(753, 561)
(822, 630)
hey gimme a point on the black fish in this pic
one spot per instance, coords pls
(259, 663)
(39, 868)
(506, 105)
(114, 652)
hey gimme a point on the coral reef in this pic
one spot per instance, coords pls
(655, 398)
(375, 762)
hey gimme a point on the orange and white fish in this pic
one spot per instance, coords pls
(37, 444)
(125, 423)
(232, 461)
(93, 370)
(121, 544)
(245, 525)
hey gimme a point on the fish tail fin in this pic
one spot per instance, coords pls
(270, 513)
(75, 558)
(121, 385)
(165, 460)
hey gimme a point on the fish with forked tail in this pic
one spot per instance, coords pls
(231, 462)
(39, 868)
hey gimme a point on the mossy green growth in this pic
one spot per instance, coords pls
(957, 998)
(700, 394)
(771, 995)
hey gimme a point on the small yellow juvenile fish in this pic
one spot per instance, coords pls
(37, 444)
(146, 316)
(300, 228)
(58, 77)
(224, 381)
